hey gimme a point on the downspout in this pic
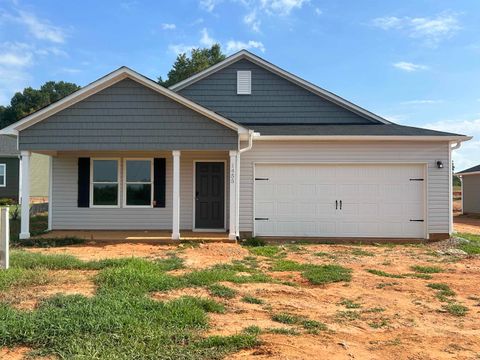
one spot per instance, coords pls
(450, 185)
(237, 189)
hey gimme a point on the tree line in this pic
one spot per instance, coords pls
(30, 100)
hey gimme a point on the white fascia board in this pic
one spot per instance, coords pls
(469, 173)
(105, 82)
(358, 138)
(285, 74)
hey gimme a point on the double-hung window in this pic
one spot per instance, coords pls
(138, 182)
(3, 175)
(105, 182)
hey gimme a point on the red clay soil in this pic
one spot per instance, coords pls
(396, 318)
(467, 224)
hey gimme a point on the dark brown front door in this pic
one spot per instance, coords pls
(209, 195)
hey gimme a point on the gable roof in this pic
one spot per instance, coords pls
(244, 54)
(106, 81)
(470, 171)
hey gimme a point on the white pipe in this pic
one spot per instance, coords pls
(237, 211)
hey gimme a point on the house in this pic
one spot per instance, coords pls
(10, 172)
(243, 147)
(470, 190)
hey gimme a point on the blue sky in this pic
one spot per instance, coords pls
(413, 62)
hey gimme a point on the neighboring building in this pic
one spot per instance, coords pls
(10, 172)
(470, 190)
(243, 147)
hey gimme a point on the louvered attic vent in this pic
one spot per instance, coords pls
(244, 82)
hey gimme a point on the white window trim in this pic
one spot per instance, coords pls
(124, 187)
(118, 183)
(4, 166)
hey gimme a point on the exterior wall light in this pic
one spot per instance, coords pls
(439, 164)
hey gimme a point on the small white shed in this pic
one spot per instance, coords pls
(470, 190)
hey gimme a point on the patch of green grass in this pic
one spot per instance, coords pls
(360, 252)
(38, 226)
(348, 315)
(456, 309)
(270, 251)
(439, 286)
(252, 300)
(384, 274)
(377, 324)
(295, 248)
(421, 276)
(473, 246)
(374, 310)
(349, 304)
(222, 291)
(426, 269)
(48, 242)
(120, 321)
(444, 293)
(286, 318)
(283, 331)
(18, 278)
(325, 254)
(255, 330)
(316, 274)
(253, 242)
(313, 325)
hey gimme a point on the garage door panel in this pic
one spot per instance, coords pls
(377, 200)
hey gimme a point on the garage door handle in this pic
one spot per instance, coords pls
(340, 204)
(261, 219)
(336, 204)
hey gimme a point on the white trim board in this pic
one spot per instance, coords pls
(106, 81)
(244, 54)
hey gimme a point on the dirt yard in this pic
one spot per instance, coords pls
(387, 313)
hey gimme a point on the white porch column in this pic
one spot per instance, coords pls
(233, 195)
(176, 196)
(25, 195)
(50, 192)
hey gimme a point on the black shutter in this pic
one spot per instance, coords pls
(83, 182)
(159, 183)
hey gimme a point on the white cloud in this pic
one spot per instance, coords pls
(209, 5)
(281, 7)
(178, 49)
(409, 67)
(15, 59)
(318, 11)
(234, 45)
(469, 153)
(41, 29)
(252, 21)
(432, 30)
(206, 40)
(166, 26)
(422, 102)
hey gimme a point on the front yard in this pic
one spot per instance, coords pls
(211, 301)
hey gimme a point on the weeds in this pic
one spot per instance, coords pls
(222, 291)
(316, 274)
(384, 274)
(349, 304)
(455, 309)
(252, 300)
(426, 269)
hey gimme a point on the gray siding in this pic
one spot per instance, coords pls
(67, 216)
(471, 194)
(12, 168)
(127, 116)
(273, 99)
(357, 152)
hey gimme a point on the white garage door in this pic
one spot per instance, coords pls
(339, 200)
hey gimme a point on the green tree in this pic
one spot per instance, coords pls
(30, 100)
(185, 66)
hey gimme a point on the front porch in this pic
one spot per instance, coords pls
(192, 190)
(138, 236)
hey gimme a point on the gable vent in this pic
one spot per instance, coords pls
(244, 82)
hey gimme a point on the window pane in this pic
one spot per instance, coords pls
(2, 170)
(105, 194)
(105, 170)
(139, 194)
(2, 179)
(138, 170)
